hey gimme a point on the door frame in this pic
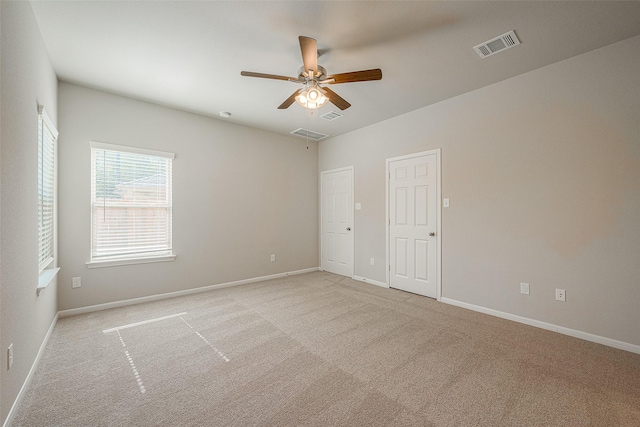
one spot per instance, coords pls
(351, 213)
(437, 152)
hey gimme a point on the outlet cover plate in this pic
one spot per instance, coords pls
(561, 295)
(524, 288)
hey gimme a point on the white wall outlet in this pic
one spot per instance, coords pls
(9, 356)
(372, 262)
(561, 295)
(76, 282)
(358, 206)
(445, 203)
(273, 257)
(524, 288)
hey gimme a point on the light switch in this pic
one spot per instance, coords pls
(445, 203)
(358, 206)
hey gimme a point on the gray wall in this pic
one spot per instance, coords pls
(543, 174)
(27, 78)
(239, 195)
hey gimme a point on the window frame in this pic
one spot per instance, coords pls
(129, 259)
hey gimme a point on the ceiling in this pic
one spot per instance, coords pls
(188, 55)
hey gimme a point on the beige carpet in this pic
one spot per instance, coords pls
(322, 350)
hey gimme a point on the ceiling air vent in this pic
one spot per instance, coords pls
(497, 44)
(306, 133)
(332, 115)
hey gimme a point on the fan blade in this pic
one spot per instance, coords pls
(336, 99)
(268, 76)
(287, 103)
(355, 76)
(309, 48)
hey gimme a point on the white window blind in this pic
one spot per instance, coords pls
(131, 203)
(47, 137)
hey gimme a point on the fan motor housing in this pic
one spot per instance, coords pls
(304, 74)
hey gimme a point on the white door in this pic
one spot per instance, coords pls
(413, 209)
(337, 221)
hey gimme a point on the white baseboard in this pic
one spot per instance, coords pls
(373, 282)
(27, 381)
(633, 348)
(123, 303)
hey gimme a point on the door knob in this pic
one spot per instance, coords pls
(432, 234)
(348, 228)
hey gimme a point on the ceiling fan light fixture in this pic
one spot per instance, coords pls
(311, 97)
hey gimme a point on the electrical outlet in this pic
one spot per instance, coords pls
(273, 257)
(561, 295)
(76, 282)
(372, 262)
(9, 356)
(524, 288)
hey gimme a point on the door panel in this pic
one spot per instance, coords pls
(412, 219)
(401, 257)
(421, 205)
(337, 222)
(401, 205)
(422, 259)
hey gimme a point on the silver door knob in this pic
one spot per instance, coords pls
(432, 234)
(348, 228)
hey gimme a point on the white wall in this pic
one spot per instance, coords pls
(239, 195)
(543, 174)
(27, 79)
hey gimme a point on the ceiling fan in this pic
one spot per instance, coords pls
(312, 76)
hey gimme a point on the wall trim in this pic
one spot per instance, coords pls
(621, 345)
(27, 381)
(373, 282)
(133, 301)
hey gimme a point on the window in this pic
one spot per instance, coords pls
(47, 146)
(131, 205)
(47, 138)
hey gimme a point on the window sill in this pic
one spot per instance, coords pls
(130, 261)
(46, 277)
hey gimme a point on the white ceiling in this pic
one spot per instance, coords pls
(189, 55)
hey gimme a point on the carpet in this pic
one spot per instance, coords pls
(322, 350)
